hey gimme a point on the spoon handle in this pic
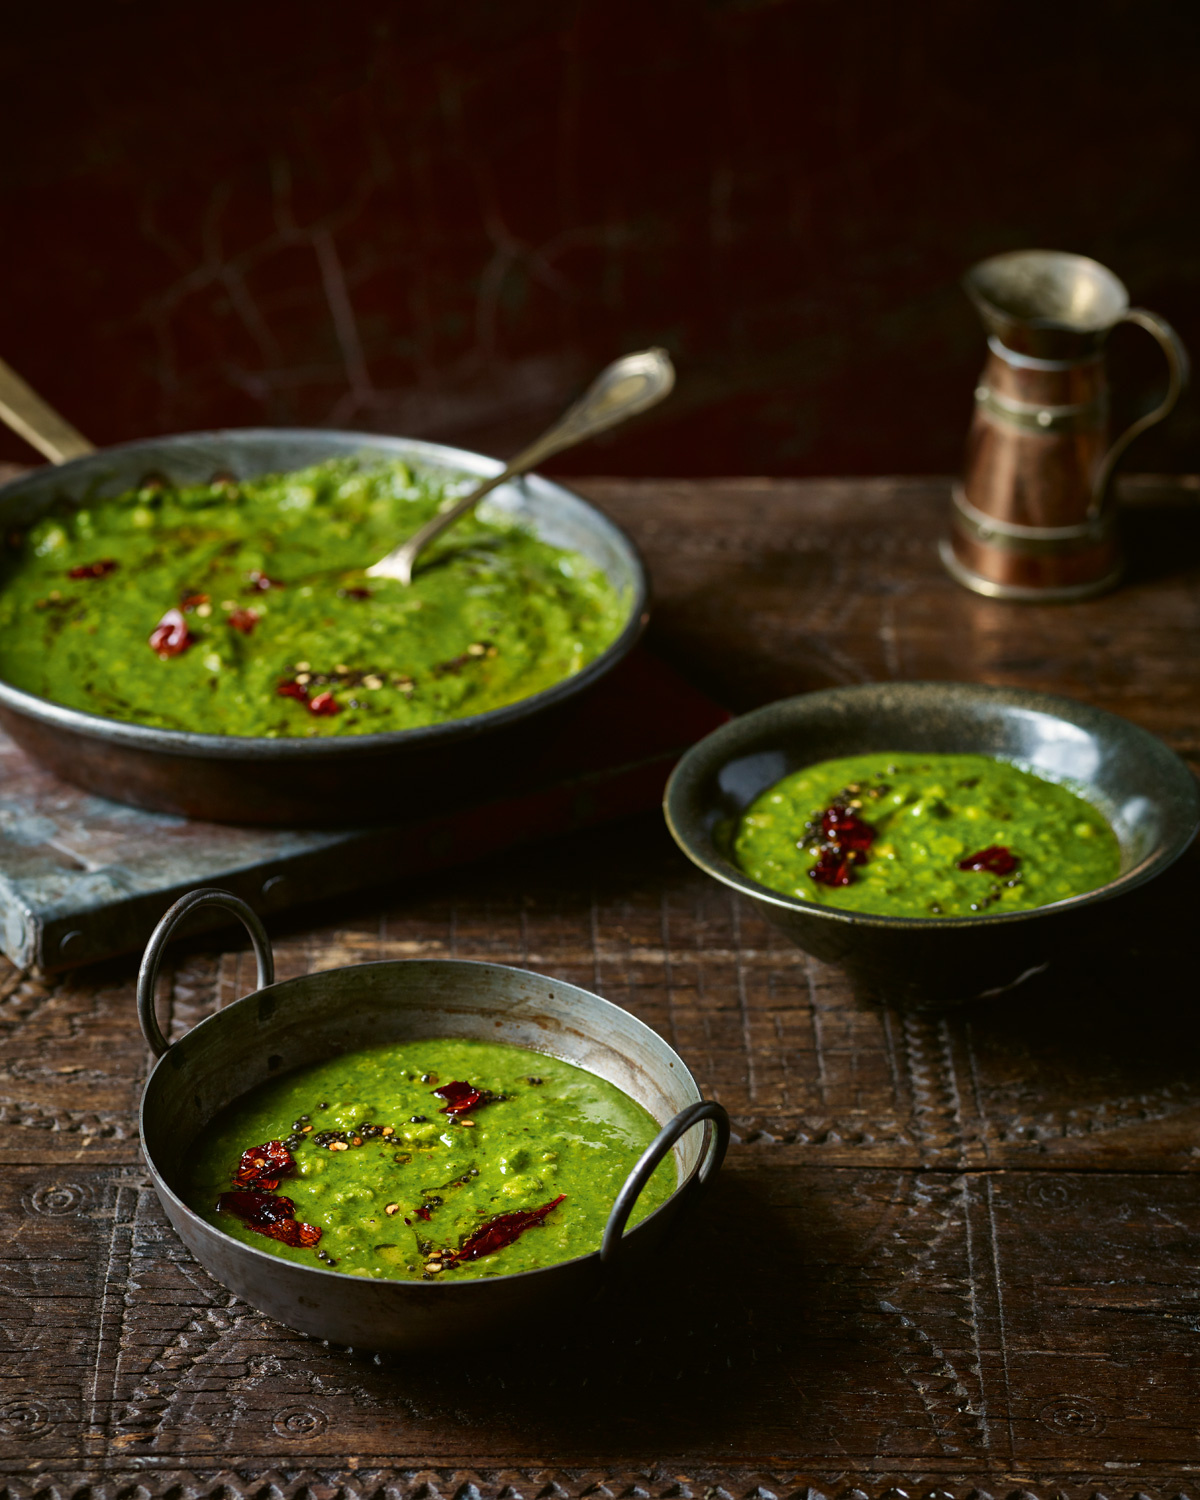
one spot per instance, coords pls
(628, 386)
(22, 409)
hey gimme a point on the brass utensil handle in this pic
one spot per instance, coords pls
(628, 386)
(161, 936)
(1178, 371)
(707, 1109)
(22, 409)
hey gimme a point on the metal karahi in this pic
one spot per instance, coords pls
(283, 1026)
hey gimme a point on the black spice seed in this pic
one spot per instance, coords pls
(322, 1106)
(418, 1119)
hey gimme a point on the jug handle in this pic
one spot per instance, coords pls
(161, 936)
(1178, 368)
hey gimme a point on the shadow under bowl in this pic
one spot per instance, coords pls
(1145, 791)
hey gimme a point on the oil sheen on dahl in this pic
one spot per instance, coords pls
(242, 607)
(399, 1185)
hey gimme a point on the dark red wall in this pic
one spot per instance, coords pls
(439, 218)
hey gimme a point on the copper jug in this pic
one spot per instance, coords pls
(1032, 518)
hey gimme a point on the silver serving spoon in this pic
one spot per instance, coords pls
(22, 409)
(628, 386)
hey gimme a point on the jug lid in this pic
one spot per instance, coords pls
(1049, 304)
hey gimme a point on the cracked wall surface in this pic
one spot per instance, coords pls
(439, 220)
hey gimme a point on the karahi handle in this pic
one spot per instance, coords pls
(161, 936)
(694, 1114)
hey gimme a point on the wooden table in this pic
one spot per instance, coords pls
(947, 1254)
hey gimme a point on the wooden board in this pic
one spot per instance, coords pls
(82, 878)
(950, 1256)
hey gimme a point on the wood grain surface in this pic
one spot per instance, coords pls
(949, 1256)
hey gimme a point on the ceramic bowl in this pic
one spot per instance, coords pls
(1143, 788)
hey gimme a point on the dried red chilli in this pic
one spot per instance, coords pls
(190, 602)
(256, 1204)
(323, 705)
(94, 570)
(462, 1097)
(270, 1214)
(295, 1232)
(843, 824)
(263, 1166)
(497, 1233)
(844, 841)
(995, 859)
(244, 620)
(171, 637)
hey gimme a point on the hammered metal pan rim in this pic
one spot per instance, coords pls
(187, 742)
(704, 759)
(267, 1259)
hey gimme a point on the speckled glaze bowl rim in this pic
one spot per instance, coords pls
(437, 456)
(709, 755)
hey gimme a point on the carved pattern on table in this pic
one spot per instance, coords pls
(373, 1483)
(936, 1187)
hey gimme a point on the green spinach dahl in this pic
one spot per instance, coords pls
(242, 607)
(432, 1159)
(925, 836)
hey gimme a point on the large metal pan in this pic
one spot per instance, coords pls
(304, 782)
(308, 1019)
